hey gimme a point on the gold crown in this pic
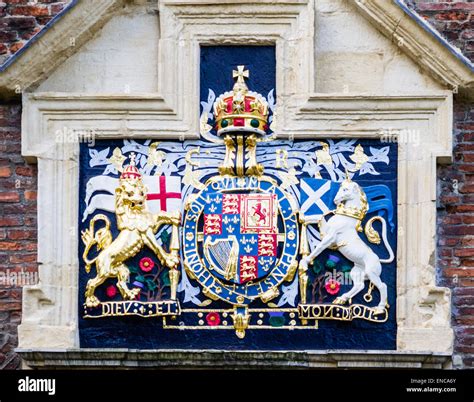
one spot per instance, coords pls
(241, 109)
(357, 213)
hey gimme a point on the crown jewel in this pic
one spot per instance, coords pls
(241, 109)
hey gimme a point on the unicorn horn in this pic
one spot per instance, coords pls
(348, 178)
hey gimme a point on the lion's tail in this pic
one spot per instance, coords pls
(103, 238)
(374, 237)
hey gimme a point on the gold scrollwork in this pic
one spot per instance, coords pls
(227, 167)
(340, 313)
(191, 176)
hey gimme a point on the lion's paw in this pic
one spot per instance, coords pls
(172, 262)
(92, 301)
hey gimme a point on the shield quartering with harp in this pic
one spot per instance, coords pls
(240, 235)
(223, 256)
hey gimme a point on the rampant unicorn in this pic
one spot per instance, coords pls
(340, 232)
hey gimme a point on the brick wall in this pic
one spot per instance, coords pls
(456, 232)
(455, 21)
(21, 19)
(17, 228)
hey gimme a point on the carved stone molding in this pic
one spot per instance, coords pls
(187, 25)
(242, 359)
(51, 48)
(214, 21)
(421, 42)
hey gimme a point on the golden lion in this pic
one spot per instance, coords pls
(137, 229)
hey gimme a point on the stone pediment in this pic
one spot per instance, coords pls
(83, 19)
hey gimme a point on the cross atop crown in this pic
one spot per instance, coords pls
(132, 158)
(131, 171)
(240, 74)
(241, 110)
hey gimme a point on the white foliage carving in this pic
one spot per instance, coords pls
(379, 155)
(98, 157)
(289, 294)
(190, 291)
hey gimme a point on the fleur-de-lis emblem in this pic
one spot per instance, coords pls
(264, 264)
(323, 157)
(359, 157)
(248, 248)
(155, 157)
(230, 229)
(226, 220)
(212, 208)
(117, 159)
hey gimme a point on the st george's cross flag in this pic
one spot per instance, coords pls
(164, 193)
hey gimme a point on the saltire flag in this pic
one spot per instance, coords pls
(317, 198)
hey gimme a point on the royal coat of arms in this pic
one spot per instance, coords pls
(240, 235)
(239, 231)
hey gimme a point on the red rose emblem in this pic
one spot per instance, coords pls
(111, 291)
(213, 319)
(146, 264)
(332, 287)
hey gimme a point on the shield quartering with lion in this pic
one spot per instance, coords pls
(240, 235)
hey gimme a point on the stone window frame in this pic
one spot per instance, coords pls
(50, 310)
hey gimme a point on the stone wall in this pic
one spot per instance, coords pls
(19, 20)
(455, 21)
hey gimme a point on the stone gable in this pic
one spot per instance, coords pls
(123, 58)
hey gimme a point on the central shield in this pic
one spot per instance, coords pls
(240, 235)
